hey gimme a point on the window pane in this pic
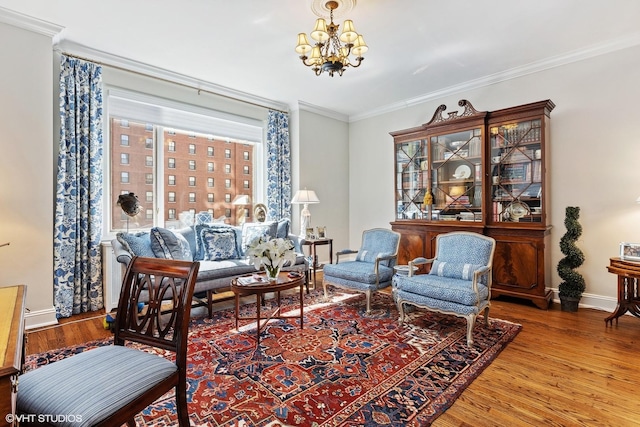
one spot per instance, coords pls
(134, 169)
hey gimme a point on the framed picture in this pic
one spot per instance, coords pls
(322, 232)
(630, 251)
(309, 235)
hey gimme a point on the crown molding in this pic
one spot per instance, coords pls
(29, 23)
(108, 59)
(305, 106)
(535, 67)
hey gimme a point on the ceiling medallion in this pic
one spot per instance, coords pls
(329, 54)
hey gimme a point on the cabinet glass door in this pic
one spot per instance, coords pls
(516, 172)
(455, 179)
(411, 174)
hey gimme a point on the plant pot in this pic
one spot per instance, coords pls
(569, 304)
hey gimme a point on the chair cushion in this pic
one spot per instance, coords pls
(378, 242)
(464, 249)
(92, 384)
(283, 228)
(219, 244)
(455, 270)
(137, 244)
(169, 245)
(441, 288)
(357, 271)
(438, 304)
(204, 217)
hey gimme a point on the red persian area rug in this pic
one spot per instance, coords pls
(343, 368)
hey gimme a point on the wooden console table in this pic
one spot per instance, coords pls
(12, 303)
(628, 288)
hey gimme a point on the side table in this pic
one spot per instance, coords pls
(628, 288)
(256, 284)
(313, 255)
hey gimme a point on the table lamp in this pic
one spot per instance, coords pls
(305, 197)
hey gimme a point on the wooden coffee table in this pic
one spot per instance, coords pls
(257, 284)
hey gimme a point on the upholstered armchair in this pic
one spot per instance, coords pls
(458, 283)
(372, 268)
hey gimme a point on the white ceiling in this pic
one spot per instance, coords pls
(417, 48)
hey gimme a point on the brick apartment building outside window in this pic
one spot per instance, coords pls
(187, 187)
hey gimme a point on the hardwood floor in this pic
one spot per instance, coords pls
(563, 369)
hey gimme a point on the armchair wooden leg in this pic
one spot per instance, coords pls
(486, 316)
(324, 286)
(471, 320)
(368, 294)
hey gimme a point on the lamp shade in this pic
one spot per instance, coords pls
(305, 196)
(241, 199)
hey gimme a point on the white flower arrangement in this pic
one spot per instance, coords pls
(272, 253)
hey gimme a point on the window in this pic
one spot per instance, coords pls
(245, 183)
(160, 139)
(245, 155)
(227, 183)
(246, 170)
(227, 213)
(227, 198)
(227, 168)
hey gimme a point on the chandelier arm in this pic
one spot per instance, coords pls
(359, 59)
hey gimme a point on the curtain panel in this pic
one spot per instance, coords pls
(78, 216)
(278, 166)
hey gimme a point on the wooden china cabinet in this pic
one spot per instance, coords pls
(484, 172)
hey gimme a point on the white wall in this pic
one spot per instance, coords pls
(594, 157)
(27, 168)
(322, 164)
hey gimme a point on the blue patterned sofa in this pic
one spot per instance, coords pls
(219, 248)
(458, 283)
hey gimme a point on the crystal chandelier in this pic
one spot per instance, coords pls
(328, 54)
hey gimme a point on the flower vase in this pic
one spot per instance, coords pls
(272, 273)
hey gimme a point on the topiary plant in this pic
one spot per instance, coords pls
(572, 285)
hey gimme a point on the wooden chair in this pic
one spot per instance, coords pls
(109, 385)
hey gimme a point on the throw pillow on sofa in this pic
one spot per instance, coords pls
(199, 228)
(254, 230)
(137, 244)
(219, 244)
(167, 244)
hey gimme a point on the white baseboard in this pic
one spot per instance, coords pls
(598, 302)
(40, 318)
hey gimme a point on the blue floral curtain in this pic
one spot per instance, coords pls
(78, 218)
(278, 166)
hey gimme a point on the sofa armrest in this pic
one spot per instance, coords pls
(122, 255)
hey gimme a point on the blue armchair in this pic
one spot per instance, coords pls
(458, 283)
(372, 268)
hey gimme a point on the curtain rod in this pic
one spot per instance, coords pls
(199, 90)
